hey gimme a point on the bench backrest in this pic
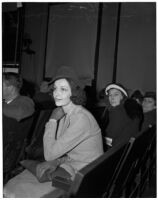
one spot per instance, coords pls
(92, 180)
(131, 165)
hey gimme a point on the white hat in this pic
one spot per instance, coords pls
(116, 86)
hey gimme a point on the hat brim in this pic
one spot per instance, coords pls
(62, 77)
(150, 96)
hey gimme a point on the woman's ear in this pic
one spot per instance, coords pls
(122, 97)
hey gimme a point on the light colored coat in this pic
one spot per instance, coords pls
(78, 139)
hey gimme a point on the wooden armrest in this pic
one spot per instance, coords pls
(61, 183)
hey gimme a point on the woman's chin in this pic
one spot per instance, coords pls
(114, 105)
(58, 104)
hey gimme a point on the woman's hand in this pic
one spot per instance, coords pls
(57, 113)
(44, 166)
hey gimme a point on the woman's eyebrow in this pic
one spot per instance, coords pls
(64, 86)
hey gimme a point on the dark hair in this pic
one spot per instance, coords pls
(150, 94)
(134, 110)
(14, 79)
(78, 94)
(137, 95)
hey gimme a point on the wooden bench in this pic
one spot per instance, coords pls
(117, 173)
(93, 179)
(129, 176)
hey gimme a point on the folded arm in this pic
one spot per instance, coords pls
(73, 135)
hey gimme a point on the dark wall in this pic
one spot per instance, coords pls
(137, 46)
(36, 29)
(72, 38)
(136, 62)
(107, 44)
(136, 49)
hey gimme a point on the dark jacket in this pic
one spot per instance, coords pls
(124, 121)
(149, 119)
(21, 107)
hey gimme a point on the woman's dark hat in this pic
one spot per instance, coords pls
(117, 86)
(66, 72)
(150, 95)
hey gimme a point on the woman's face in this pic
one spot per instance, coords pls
(115, 97)
(148, 104)
(62, 92)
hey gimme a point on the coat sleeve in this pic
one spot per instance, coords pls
(77, 131)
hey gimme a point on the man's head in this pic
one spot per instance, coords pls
(12, 84)
(149, 102)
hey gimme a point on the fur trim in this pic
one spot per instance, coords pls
(133, 109)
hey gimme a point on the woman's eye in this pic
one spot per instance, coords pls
(63, 89)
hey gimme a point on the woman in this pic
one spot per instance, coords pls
(124, 115)
(149, 110)
(75, 143)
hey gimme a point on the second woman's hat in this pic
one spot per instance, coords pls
(150, 94)
(117, 86)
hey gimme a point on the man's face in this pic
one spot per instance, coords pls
(62, 92)
(115, 97)
(148, 104)
(6, 90)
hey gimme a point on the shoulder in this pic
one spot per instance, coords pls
(81, 111)
(150, 113)
(82, 114)
(24, 99)
(23, 102)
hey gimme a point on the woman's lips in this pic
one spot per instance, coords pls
(58, 99)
